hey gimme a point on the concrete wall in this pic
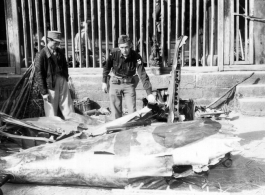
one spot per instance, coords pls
(201, 87)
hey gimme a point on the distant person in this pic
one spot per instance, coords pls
(83, 44)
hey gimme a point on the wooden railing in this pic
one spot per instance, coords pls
(201, 20)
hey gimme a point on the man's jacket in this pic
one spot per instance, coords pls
(47, 70)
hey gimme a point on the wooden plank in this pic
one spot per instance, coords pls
(86, 33)
(51, 14)
(237, 31)
(79, 32)
(25, 32)
(127, 18)
(99, 34)
(120, 17)
(232, 33)
(204, 32)
(246, 31)
(251, 32)
(65, 30)
(190, 31)
(154, 17)
(227, 33)
(93, 31)
(107, 27)
(141, 27)
(37, 12)
(147, 30)
(114, 24)
(58, 14)
(221, 35)
(31, 31)
(134, 25)
(183, 30)
(177, 19)
(197, 31)
(212, 31)
(44, 20)
(168, 32)
(72, 19)
(259, 67)
(163, 33)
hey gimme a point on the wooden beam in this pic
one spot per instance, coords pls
(177, 19)
(86, 34)
(163, 33)
(8, 70)
(127, 18)
(141, 27)
(197, 31)
(58, 13)
(51, 14)
(220, 42)
(72, 19)
(246, 31)
(168, 32)
(227, 31)
(106, 28)
(65, 30)
(120, 17)
(232, 35)
(23, 6)
(212, 31)
(93, 31)
(190, 31)
(44, 11)
(37, 11)
(154, 17)
(237, 30)
(183, 31)
(30, 8)
(251, 32)
(113, 24)
(147, 30)
(134, 25)
(99, 34)
(79, 32)
(204, 32)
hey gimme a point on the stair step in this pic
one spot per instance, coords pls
(252, 106)
(251, 90)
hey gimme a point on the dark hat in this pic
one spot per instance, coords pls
(124, 39)
(54, 35)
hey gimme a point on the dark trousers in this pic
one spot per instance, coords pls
(119, 90)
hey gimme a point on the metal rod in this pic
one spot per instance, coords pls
(72, 30)
(107, 27)
(168, 31)
(93, 32)
(31, 29)
(37, 10)
(197, 31)
(79, 32)
(147, 30)
(134, 25)
(65, 30)
(99, 34)
(25, 32)
(190, 31)
(183, 31)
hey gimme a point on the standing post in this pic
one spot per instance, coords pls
(134, 25)
(183, 31)
(51, 14)
(212, 32)
(99, 34)
(79, 32)
(246, 31)
(190, 38)
(65, 30)
(197, 32)
(31, 29)
(58, 15)
(25, 32)
(38, 21)
(44, 20)
(107, 28)
(72, 30)
(154, 18)
(168, 31)
(141, 28)
(113, 25)
(163, 32)
(120, 17)
(220, 35)
(177, 19)
(93, 31)
(127, 18)
(86, 33)
(147, 30)
(204, 32)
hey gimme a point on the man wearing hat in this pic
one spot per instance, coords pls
(52, 77)
(125, 64)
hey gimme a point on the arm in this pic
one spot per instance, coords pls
(143, 76)
(106, 69)
(41, 74)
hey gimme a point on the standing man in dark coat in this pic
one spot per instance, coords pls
(52, 77)
(126, 66)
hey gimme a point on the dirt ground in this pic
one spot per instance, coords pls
(245, 176)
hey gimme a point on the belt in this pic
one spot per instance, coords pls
(121, 80)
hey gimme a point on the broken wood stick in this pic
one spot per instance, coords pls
(128, 125)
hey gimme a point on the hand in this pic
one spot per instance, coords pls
(151, 99)
(46, 97)
(104, 87)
